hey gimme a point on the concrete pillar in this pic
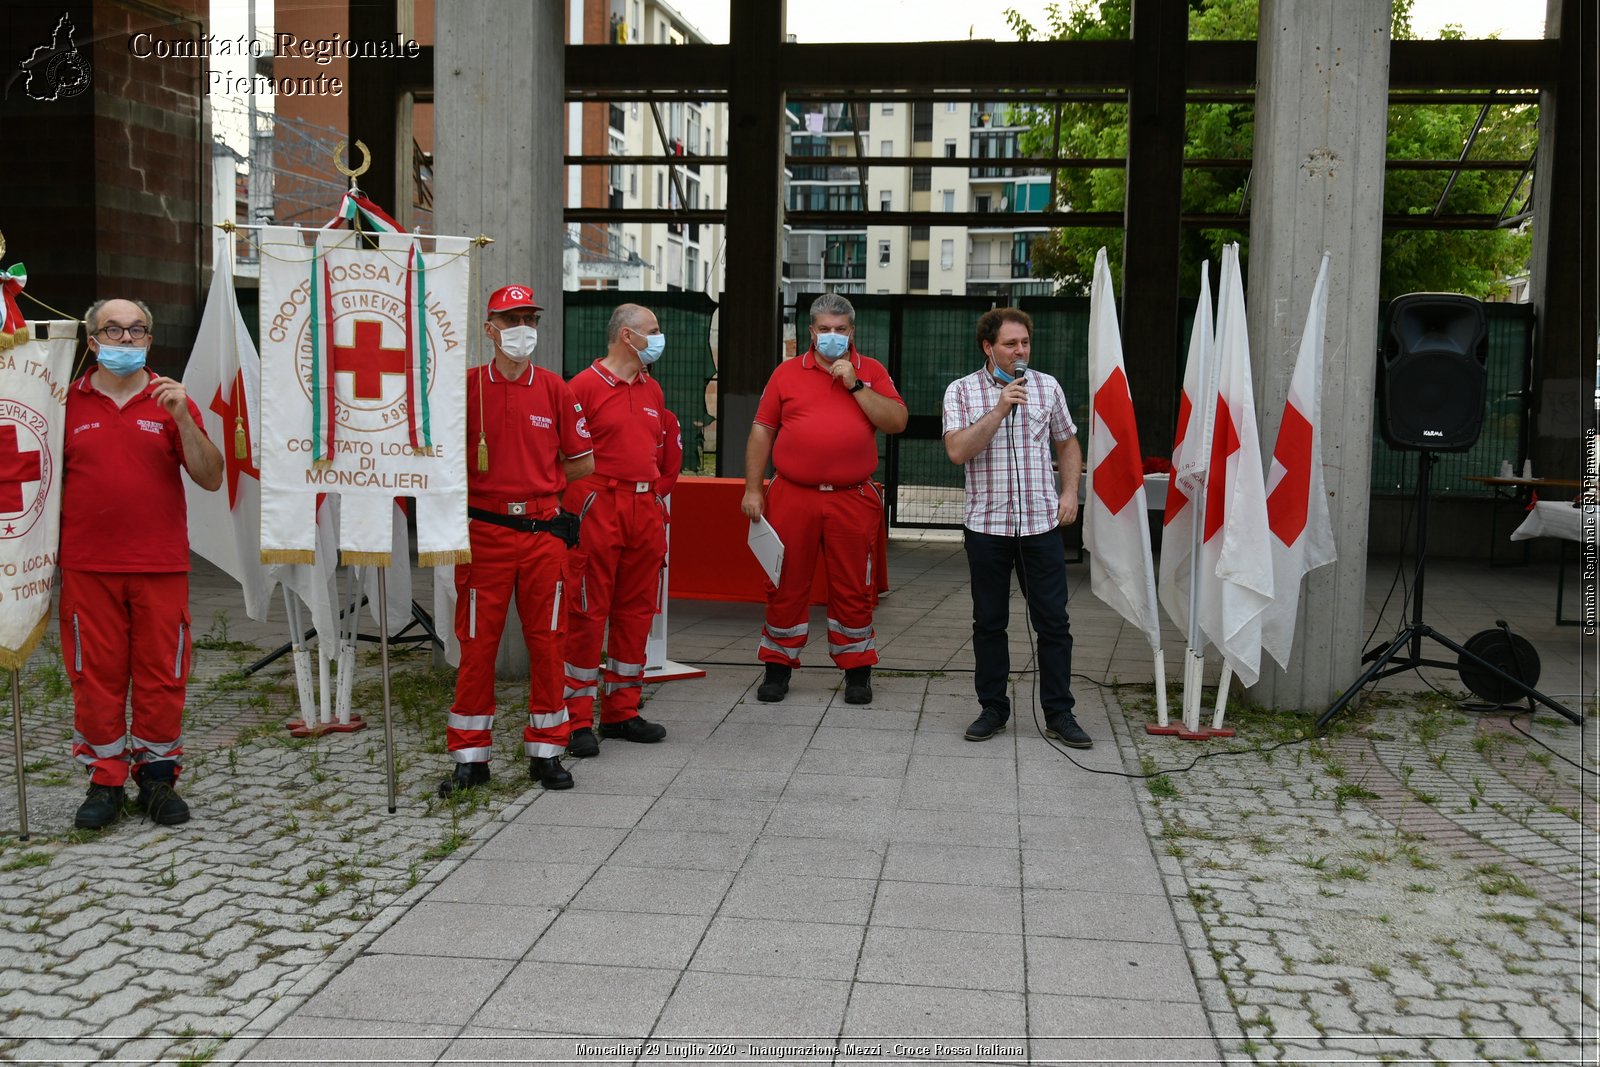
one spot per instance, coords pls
(1322, 78)
(498, 83)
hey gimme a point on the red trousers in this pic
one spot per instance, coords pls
(616, 574)
(119, 630)
(533, 566)
(843, 524)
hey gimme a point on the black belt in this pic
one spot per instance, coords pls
(563, 524)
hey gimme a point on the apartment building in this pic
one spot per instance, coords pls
(643, 255)
(912, 259)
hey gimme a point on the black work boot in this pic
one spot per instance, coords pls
(101, 808)
(465, 776)
(158, 796)
(582, 743)
(858, 685)
(634, 729)
(985, 726)
(548, 772)
(775, 686)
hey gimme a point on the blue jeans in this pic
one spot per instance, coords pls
(1041, 566)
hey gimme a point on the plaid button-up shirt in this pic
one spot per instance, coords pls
(1011, 487)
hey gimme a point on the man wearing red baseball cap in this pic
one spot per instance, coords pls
(525, 440)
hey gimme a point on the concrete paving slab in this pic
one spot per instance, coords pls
(662, 890)
(1128, 969)
(406, 989)
(620, 939)
(733, 1005)
(554, 997)
(908, 1013)
(573, 807)
(448, 929)
(917, 861)
(513, 881)
(780, 948)
(932, 906)
(942, 958)
(819, 857)
(1107, 916)
(763, 894)
(685, 849)
(557, 844)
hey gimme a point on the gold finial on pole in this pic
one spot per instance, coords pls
(2, 246)
(351, 172)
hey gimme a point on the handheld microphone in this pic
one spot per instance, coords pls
(1019, 369)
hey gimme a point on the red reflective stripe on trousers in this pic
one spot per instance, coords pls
(615, 576)
(120, 631)
(843, 526)
(532, 564)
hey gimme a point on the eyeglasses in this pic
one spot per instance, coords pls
(137, 332)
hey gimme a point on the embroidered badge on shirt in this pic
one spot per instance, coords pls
(149, 425)
(544, 422)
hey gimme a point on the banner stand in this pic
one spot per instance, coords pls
(383, 646)
(16, 748)
(657, 667)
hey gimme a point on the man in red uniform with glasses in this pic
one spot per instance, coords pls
(125, 565)
(525, 441)
(818, 420)
(617, 571)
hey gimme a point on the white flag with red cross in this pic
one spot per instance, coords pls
(223, 378)
(1116, 529)
(1297, 503)
(1190, 456)
(1235, 561)
(35, 373)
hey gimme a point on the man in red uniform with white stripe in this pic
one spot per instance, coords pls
(617, 571)
(525, 441)
(818, 420)
(125, 565)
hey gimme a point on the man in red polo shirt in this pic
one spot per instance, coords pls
(818, 421)
(525, 441)
(618, 569)
(125, 565)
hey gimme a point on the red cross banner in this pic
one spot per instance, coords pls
(34, 376)
(364, 340)
(1116, 531)
(1297, 502)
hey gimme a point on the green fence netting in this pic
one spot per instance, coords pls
(684, 370)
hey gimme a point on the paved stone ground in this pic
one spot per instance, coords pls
(1418, 886)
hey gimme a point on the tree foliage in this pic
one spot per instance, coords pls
(1475, 262)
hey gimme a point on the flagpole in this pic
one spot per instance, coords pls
(16, 748)
(302, 667)
(383, 645)
(347, 648)
(1222, 694)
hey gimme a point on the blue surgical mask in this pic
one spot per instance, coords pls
(832, 345)
(121, 360)
(1001, 376)
(654, 345)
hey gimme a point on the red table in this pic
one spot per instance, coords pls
(711, 559)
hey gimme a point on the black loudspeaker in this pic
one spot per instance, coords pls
(1433, 373)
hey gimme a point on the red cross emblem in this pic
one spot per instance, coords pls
(367, 360)
(17, 469)
(231, 407)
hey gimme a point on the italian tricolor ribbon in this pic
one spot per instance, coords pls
(13, 326)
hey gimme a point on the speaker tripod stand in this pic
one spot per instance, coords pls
(1404, 653)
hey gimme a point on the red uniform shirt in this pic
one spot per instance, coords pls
(628, 421)
(526, 422)
(122, 503)
(823, 435)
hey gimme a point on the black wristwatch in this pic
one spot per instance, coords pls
(860, 385)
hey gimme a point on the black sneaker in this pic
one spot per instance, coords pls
(634, 729)
(101, 808)
(775, 686)
(582, 744)
(1065, 728)
(548, 772)
(985, 726)
(161, 803)
(858, 685)
(465, 776)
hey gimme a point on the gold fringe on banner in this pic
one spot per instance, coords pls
(444, 559)
(288, 555)
(12, 659)
(365, 559)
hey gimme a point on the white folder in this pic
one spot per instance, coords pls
(768, 548)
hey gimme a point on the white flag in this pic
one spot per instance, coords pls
(1297, 504)
(1116, 529)
(34, 378)
(223, 379)
(1190, 455)
(1236, 564)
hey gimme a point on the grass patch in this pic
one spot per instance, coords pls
(1348, 791)
(1495, 879)
(1519, 923)
(26, 860)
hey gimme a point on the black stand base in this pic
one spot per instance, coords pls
(1385, 663)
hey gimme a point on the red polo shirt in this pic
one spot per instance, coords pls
(628, 421)
(529, 424)
(122, 503)
(823, 435)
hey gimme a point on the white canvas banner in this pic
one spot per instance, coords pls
(34, 377)
(363, 391)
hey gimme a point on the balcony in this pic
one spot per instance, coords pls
(986, 271)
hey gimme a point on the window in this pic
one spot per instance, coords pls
(885, 200)
(919, 233)
(888, 109)
(919, 274)
(946, 292)
(883, 253)
(949, 148)
(661, 189)
(947, 254)
(952, 106)
(948, 198)
(886, 148)
(691, 268)
(981, 203)
(661, 257)
(633, 182)
(921, 179)
(922, 122)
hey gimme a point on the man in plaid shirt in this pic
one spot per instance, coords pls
(1002, 423)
